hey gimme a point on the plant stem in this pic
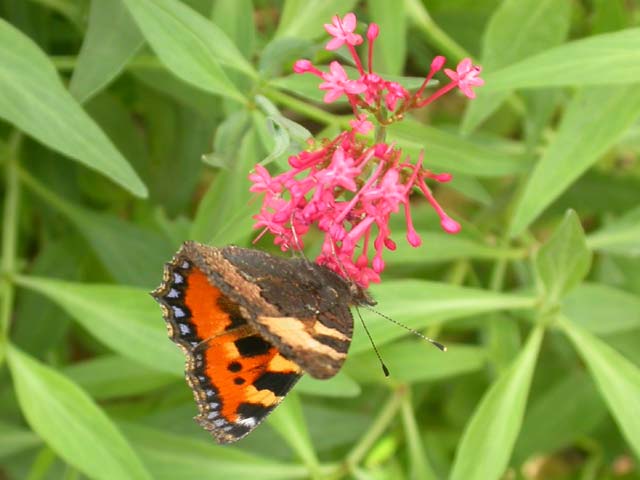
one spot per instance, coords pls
(9, 236)
(418, 13)
(420, 467)
(305, 108)
(380, 424)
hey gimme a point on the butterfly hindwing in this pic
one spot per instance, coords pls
(236, 375)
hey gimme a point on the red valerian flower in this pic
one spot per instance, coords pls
(348, 187)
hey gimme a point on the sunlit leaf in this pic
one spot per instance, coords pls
(189, 45)
(617, 379)
(612, 58)
(419, 304)
(489, 437)
(124, 318)
(172, 456)
(517, 30)
(594, 121)
(70, 422)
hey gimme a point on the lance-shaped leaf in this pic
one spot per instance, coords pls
(419, 304)
(191, 46)
(33, 98)
(126, 319)
(517, 29)
(617, 378)
(112, 38)
(594, 121)
(70, 422)
(564, 260)
(612, 58)
(490, 435)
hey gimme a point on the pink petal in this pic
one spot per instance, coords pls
(349, 22)
(334, 44)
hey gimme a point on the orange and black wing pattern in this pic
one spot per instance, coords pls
(237, 376)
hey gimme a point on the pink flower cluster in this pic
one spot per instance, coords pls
(349, 186)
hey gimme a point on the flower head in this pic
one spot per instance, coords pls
(337, 83)
(466, 76)
(349, 187)
(342, 32)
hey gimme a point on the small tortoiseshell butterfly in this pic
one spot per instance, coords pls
(250, 324)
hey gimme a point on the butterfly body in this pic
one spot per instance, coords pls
(250, 324)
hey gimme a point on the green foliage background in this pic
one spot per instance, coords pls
(108, 108)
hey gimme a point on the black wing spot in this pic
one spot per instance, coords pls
(238, 380)
(279, 383)
(252, 346)
(234, 367)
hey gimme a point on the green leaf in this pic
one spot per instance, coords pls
(419, 304)
(438, 247)
(609, 16)
(125, 319)
(564, 260)
(16, 439)
(489, 437)
(517, 29)
(224, 214)
(112, 38)
(35, 101)
(622, 236)
(288, 420)
(391, 44)
(448, 152)
(402, 357)
(133, 254)
(189, 45)
(601, 309)
(608, 59)
(594, 121)
(172, 456)
(567, 411)
(113, 376)
(70, 422)
(305, 18)
(338, 386)
(617, 379)
(236, 19)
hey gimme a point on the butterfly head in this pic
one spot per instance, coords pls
(360, 295)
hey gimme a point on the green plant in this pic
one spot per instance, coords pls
(537, 298)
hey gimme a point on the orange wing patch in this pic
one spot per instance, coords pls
(211, 313)
(236, 376)
(248, 372)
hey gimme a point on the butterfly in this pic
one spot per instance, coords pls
(250, 324)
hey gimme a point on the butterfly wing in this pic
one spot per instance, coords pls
(237, 376)
(299, 307)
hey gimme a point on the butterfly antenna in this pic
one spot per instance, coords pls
(415, 332)
(385, 370)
